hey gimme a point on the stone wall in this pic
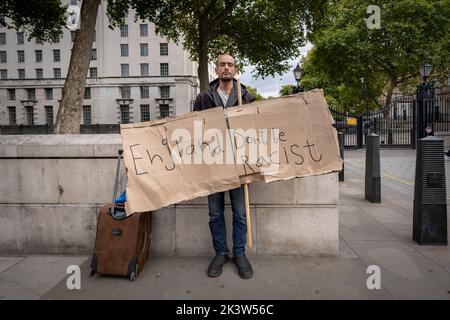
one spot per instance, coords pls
(53, 186)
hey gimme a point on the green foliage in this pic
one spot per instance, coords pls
(254, 92)
(287, 89)
(263, 33)
(346, 50)
(44, 19)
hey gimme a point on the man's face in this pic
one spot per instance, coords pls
(225, 68)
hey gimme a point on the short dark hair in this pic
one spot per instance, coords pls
(224, 54)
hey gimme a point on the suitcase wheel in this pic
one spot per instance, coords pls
(133, 269)
(93, 268)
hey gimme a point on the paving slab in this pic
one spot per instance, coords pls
(35, 275)
(333, 278)
(406, 273)
(185, 278)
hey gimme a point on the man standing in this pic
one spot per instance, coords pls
(223, 92)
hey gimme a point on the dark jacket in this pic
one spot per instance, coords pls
(210, 98)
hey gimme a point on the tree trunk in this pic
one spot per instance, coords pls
(69, 113)
(389, 94)
(203, 58)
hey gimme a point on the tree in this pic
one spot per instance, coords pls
(254, 92)
(46, 19)
(346, 50)
(287, 89)
(264, 33)
(69, 112)
(43, 19)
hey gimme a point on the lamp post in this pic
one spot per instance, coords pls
(425, 97)
(298, 75)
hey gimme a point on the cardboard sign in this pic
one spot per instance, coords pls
(200, 153)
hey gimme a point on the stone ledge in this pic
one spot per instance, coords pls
(60, 145)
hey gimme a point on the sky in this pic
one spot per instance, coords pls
(270, 86)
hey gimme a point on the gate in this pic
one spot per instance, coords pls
(396, 125)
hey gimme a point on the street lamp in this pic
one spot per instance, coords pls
(298, 75)
(425, 99)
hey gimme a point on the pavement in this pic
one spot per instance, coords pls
(375, 239)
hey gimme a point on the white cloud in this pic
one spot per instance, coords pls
(271, 86)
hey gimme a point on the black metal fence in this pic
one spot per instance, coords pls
(396, 125)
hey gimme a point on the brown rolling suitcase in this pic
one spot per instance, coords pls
(122, 243)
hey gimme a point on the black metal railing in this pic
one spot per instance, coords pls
(396, 124)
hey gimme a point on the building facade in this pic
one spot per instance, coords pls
(135, 75)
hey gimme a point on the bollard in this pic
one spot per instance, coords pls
(341, 151)
(373, 179)
(430, 205)
(390, 136)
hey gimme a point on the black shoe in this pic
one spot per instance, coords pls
(215, 267)
(244, 267)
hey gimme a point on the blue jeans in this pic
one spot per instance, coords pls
(216, 204)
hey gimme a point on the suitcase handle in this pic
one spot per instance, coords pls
(116, 182)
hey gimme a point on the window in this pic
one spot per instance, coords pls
(124, 50)
(144, 49)
(2, 38)
(48, 93)
(93, 72)
(124, 31)
(95, 35)
(163, 49)
(56, 55)
(20, 38)
(12, 115)
(125, 92)
(73, 2)
(3, 57)
(56, 39)
(143, 29)
(145, 92)
(124, 70)
(87, 93)
(38, 54)
(164, 69)
(57, 73)
(87, 115)
(94, 54)
(72, 36)
(164, 92)
(39, 73)
(164, 110)
(144, 69)
(21, 73)
(12, 94)
(2, 22)
(20, 56)
(31, 94)
(124, 113)
(49, 115)
(39, 40)
(30, 115)
(145, 112)
(3, 74)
